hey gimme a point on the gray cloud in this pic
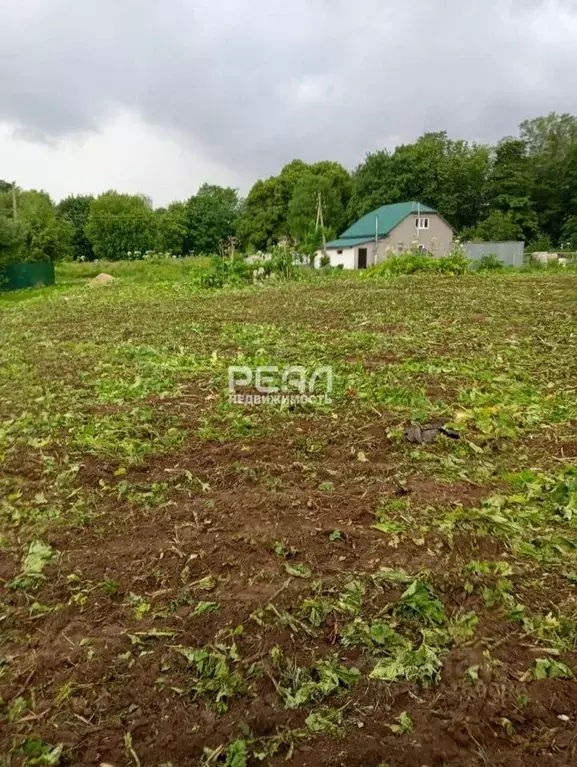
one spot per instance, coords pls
(256, 83)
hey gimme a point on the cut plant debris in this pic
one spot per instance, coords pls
(382, 577)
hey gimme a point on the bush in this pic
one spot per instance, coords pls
(282, 262)
(11, 241)
(455, 263)
(489, 262)
(325, 261)
(238, 272)
(226, 272)
(416, 261)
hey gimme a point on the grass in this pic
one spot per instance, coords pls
(276, 581)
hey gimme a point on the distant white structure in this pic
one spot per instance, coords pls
(258, 258)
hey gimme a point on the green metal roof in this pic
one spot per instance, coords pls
(387, 217)
(349, 243)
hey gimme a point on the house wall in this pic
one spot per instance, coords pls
(347, 258)
(437, 239)
(370, 248)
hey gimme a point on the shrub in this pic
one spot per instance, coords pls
(11, 240)
(282, 261)
(489, 262)
(238, 272)
(325, 261)
(455, 263)
(225, 272)
(408, 263)
(416, 261)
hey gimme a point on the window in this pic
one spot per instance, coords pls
(421, 223)
(340, 252)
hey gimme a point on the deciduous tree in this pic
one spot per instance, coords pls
(75, 210)
(510, 183)
(211, 218)
(171, 228)
(120, 223)
(45, 236)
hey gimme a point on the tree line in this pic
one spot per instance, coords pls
(522, 187)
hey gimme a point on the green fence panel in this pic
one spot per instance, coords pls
(26, 275)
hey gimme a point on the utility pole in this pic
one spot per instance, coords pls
(320, 222)
(14, 202)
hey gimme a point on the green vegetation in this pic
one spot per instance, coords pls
(411, 263)
(276, 581)
(524, 187)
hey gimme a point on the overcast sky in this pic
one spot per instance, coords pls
(158, 96)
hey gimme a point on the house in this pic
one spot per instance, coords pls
(390, 230)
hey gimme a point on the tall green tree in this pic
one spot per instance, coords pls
(171, 228)
(551, 144)
(45, 236)
(446, 174)
(304, 204)
(374, 183)
(497, 227)
(449, 175)
(289, 177)
(211, 218)
(6, 199)
(75, 210)
(263, 216)
(510, 184)
(120, 223)
(10, 240)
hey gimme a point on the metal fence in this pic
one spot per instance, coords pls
(26, 275)
(509, 253)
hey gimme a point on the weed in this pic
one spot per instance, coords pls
(16, 709)
(39, 555)
(546, 668)
(423, 664)
(327, 720)
(214, 674)
(205, 607)
(36, 752)
(507, 726)
(376, 635)
(522, 701)
(283, 550)
(109, 587)
(140, 605)
(299, 686)
(418, 602)
(472, 674)
(298, 570)
(403, 724)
